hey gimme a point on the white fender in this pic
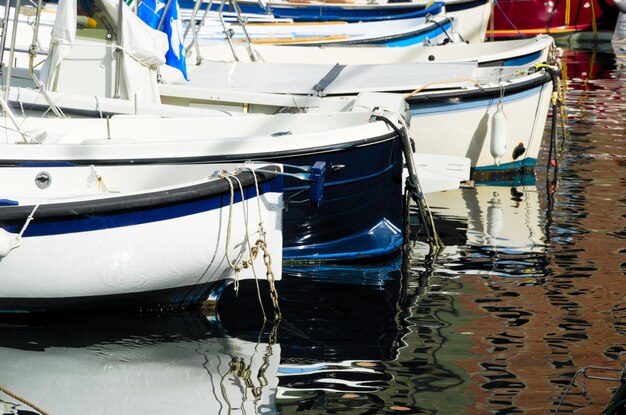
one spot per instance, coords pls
(498, 134)
(495, 219)
(8, 242)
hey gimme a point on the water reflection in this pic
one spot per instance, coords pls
(333, 336)
(134, 364)
(504, 228)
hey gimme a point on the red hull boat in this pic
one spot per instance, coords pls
(523, 18)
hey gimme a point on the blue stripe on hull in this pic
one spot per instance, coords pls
(406, 39)
(516, 165)
(93, 222)
(457, 7)
(515, 173)
(425, 108)
(329, 13)
(522, 60)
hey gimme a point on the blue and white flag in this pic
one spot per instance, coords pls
(151, 11)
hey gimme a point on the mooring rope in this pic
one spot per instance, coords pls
(443, 81)
(24, 401)
(28, 219)
(253, 250)
(583, 372)
(556, 100)
(412, 184)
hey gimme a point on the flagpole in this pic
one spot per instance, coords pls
(167, 7)
(119, 51)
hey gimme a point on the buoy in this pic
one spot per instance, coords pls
(8, 242)
(498, 134)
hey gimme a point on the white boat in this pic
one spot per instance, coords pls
(402, 32)
(465, 96)
(171, 236)
(472, 15)
(514, 52)
(319, 223)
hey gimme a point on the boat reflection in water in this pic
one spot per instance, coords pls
(504, 228)
(338, 325)
(332, 341)
(134, 364)
(355, 346)
(351, 336)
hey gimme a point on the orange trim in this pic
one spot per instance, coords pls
(535, 31)
(298, 40)
(294, 23)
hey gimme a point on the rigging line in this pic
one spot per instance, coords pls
(519, 32)
(248, 244)
(24, 401)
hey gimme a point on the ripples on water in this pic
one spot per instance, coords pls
(529, 289)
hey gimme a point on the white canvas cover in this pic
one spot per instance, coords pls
(144, 49)
(62, 39)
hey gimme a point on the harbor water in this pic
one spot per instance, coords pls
(527, 295)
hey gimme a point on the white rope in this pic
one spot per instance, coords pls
(30, 217)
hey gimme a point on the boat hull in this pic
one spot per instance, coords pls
(388, 33)
(360, 213)
(472, 15)
(526, 104)
(515, 18)
(166, 248)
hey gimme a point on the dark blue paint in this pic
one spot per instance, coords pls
(522, 60)
(327, 13)
(361, 209)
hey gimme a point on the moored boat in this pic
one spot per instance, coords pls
(472, 15)
(514, 52)
(88, 237)
(433, 29)
(514, 18)
(359, 215)
(437, 90)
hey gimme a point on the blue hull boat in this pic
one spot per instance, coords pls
(357, 213)
(330, 12)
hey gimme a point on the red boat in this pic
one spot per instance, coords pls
(522, 18)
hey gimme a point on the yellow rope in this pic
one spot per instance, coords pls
(445, 81)
(594, 27)
(253, 250)
(24, 401)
